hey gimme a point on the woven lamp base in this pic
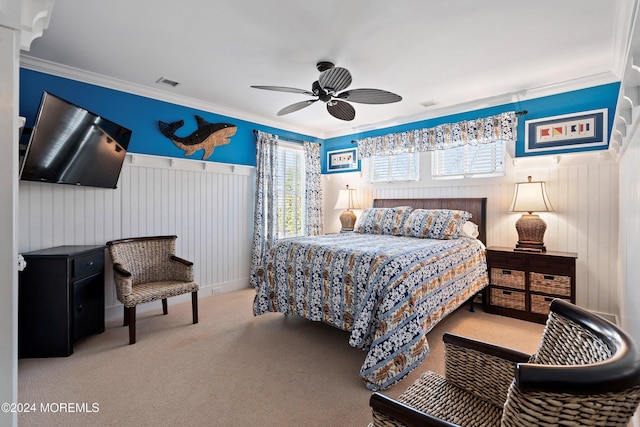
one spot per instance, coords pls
(348, 220)
(531, 230)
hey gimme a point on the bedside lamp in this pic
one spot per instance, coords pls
(530, 196)
(347, 199)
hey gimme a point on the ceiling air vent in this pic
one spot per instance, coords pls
(167, 82)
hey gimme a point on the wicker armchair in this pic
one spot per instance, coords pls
(146, 269)
(586, 372)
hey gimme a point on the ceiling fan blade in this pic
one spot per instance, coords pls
(341, 110)
(335, 79)
(284, 89)
(369, 96)
(295, 107)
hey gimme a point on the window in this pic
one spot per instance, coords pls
(291, 188)
(471, 161)
(395, 167)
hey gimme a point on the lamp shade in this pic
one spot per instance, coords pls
(531, 196)
(348, 199)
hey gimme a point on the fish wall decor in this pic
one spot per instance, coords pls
(206, 137)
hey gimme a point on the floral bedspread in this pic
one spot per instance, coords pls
(388, 291)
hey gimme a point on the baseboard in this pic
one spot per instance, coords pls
(116, 311)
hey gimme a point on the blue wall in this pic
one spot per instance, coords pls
(141, 115)
(604, 96)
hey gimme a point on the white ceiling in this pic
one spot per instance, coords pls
(460, 54)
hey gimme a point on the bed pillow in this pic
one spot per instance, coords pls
(469, 229)
(383, 220)
(442, 224)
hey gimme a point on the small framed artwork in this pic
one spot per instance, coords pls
(568, 132)
(342, 160)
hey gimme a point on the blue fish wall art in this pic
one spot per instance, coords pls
(206, 137)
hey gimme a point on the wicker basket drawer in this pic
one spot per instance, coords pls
(507, 299)
(508, 278)
(540, 303)
(550, 284)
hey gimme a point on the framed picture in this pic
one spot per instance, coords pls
(568, 132)
(342, 160)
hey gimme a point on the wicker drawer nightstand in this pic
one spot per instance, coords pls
(522, 284)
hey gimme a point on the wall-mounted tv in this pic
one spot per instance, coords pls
(71, 145)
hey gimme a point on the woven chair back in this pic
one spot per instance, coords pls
(148, 260)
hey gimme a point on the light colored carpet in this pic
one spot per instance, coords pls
(231, 369)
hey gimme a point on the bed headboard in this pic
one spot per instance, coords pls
(476, 206)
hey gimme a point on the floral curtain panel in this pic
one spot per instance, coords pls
(480, 131)
(265, 219)
(313, 190)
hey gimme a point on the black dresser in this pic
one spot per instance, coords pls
(60, 299)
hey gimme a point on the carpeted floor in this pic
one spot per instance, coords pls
(231, 369)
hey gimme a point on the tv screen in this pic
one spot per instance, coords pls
(70, 145)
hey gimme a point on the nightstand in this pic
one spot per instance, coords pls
(523, 284)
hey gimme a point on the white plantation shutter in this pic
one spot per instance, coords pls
(480, 160)
(396, 167)
(291, 190)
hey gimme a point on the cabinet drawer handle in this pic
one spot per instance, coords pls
(506, 271)
(548, 299)
(90, 263)
(506, 292)
(549, 277)
(80, 307)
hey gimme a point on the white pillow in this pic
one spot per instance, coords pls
(469, 229)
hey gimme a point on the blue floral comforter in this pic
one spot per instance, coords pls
(388, 291)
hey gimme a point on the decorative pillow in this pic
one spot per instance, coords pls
(383, 220)
(443, 224)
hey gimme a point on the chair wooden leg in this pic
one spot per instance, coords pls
(126, 317)
(132, 325)
(194, 306)
(165, 310)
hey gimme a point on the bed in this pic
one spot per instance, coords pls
(385, 286)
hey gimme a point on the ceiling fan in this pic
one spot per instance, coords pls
(331, 81)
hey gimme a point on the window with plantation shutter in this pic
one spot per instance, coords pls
(471, 161)
(291, 188)
(395, 167)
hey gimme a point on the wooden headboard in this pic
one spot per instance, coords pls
(476, 206)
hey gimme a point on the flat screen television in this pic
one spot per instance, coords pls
(71, 145)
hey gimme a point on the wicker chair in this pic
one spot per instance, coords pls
(146, 269)
(586, 372)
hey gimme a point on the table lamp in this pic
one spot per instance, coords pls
(347, 199)
(529, 197)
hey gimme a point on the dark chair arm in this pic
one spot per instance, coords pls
(407, 415)
(181, 260)
(120, 270)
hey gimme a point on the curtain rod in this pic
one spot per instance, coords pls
(255, 131)
(517, 113)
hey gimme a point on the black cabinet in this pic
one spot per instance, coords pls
(60, 299)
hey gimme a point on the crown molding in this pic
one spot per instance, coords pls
(53, 68)
(64, 71)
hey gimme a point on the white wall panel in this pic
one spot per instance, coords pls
(208, 206)
(584, 193)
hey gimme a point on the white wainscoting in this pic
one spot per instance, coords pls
(583, 191)
(209, 206)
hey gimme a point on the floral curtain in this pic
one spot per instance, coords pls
(313, 190)
(265, 219)
(470, 132)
